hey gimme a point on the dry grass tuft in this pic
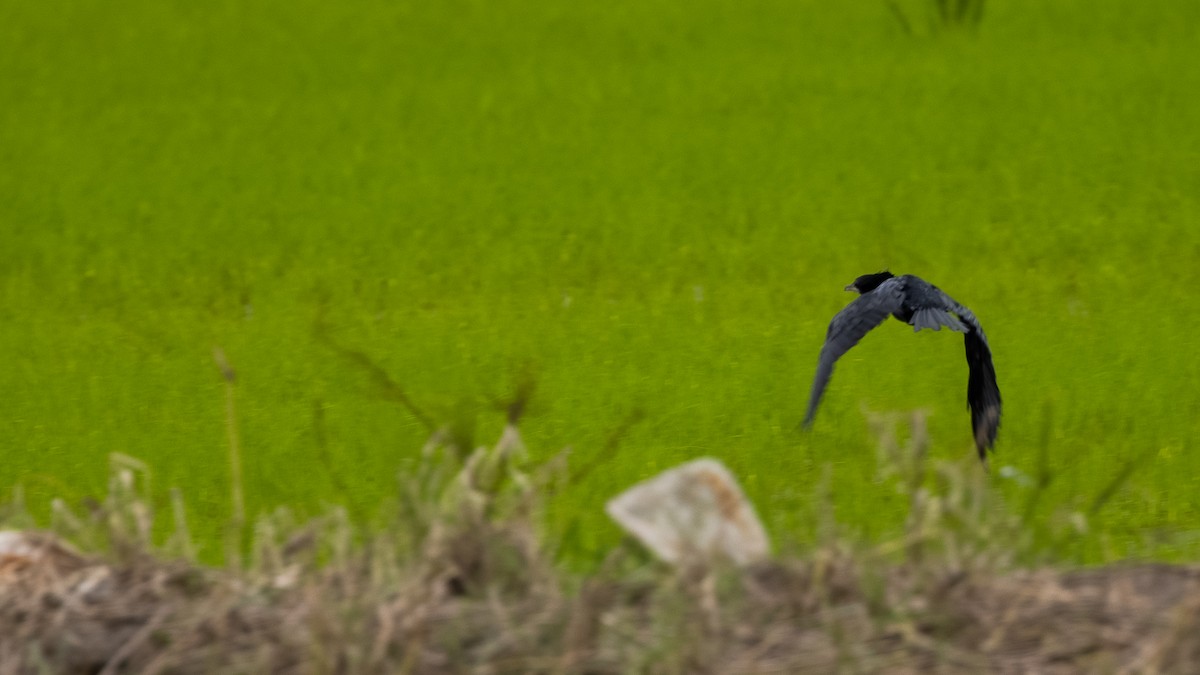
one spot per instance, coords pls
(461, 582)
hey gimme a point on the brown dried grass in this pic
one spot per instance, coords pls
(461, 582)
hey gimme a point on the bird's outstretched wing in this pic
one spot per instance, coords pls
(983, 393)
(847, 328)
(932, 308)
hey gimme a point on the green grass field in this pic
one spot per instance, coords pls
(645, 206)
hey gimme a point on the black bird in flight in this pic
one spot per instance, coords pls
(921, 305)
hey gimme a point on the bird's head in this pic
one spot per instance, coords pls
(869, 282)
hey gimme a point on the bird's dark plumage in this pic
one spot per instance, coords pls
(921, 305)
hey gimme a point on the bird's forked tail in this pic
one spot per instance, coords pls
(983, 394)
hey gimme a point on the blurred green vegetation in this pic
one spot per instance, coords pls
(648, 207)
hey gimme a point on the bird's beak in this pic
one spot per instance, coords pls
(850, 287)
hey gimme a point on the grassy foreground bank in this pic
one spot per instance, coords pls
(462, 580)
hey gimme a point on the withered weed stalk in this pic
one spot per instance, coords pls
(937, 16)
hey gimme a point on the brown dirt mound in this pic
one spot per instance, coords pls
(460, 582)
(825, 614)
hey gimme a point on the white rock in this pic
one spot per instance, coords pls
(22, 552)
(695, 510)
(15, 542)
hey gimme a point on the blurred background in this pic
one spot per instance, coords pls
(649, 209)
